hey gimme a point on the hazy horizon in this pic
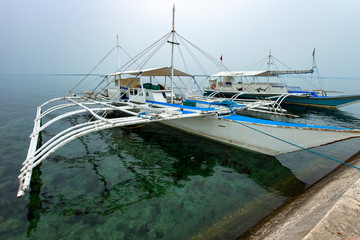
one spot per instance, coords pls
(43, 37)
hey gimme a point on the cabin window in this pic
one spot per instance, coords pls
(147, 94)
(164, 95)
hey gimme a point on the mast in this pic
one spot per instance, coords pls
(313, 67)
(269, 67)
(118, 50)
(172, 54)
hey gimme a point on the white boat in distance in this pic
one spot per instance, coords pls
(259, 85)
(143, 102)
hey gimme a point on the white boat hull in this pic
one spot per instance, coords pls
(267, 139)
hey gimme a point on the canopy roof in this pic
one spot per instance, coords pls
(260, 73)
(239, 73)
(165, 71)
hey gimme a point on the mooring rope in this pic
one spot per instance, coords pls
(226, 103)
(303, 148)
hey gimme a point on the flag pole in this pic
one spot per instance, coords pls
(221, 66)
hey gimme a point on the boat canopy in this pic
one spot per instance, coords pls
(129, 82)
(165, 71)
(260, 73)
(239, 73)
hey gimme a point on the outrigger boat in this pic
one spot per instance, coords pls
(143, 102)
(257, 85)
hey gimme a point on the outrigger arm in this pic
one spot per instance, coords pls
(139, 114)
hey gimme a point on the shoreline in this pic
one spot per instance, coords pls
(329, 209)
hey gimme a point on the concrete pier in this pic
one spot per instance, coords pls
(328, 210)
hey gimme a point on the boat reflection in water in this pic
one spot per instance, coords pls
(156, 182)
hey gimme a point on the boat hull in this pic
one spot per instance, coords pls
(264, 138)
(304, 100)
(325, 102)
(229, 94)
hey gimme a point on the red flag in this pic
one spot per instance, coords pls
(221, 58)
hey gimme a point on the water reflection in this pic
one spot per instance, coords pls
(323, 116)
(34, 206)
(192, 151)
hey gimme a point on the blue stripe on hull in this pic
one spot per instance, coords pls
(269, 122)
(213, 103)
(181, 106)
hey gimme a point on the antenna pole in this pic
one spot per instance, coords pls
(173, 20)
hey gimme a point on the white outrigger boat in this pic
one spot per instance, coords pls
(257, 85)
(142, 103)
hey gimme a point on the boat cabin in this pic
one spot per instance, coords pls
(145, 86)
(245, 81)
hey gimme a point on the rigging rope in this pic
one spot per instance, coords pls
(91, 71)
(197, 83)
(303, 148)
(193, 56)
(142, 53)
(153, 52)
(214, 60)
(265, 61)
(182, 56)
(132, 61)
(253, 65)
(99, 84)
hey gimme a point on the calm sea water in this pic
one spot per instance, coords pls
(152, 182)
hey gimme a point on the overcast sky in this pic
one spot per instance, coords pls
(71, 36)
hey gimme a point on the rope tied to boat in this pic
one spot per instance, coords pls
(145, 115)
(226, 103)
(303, 148)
